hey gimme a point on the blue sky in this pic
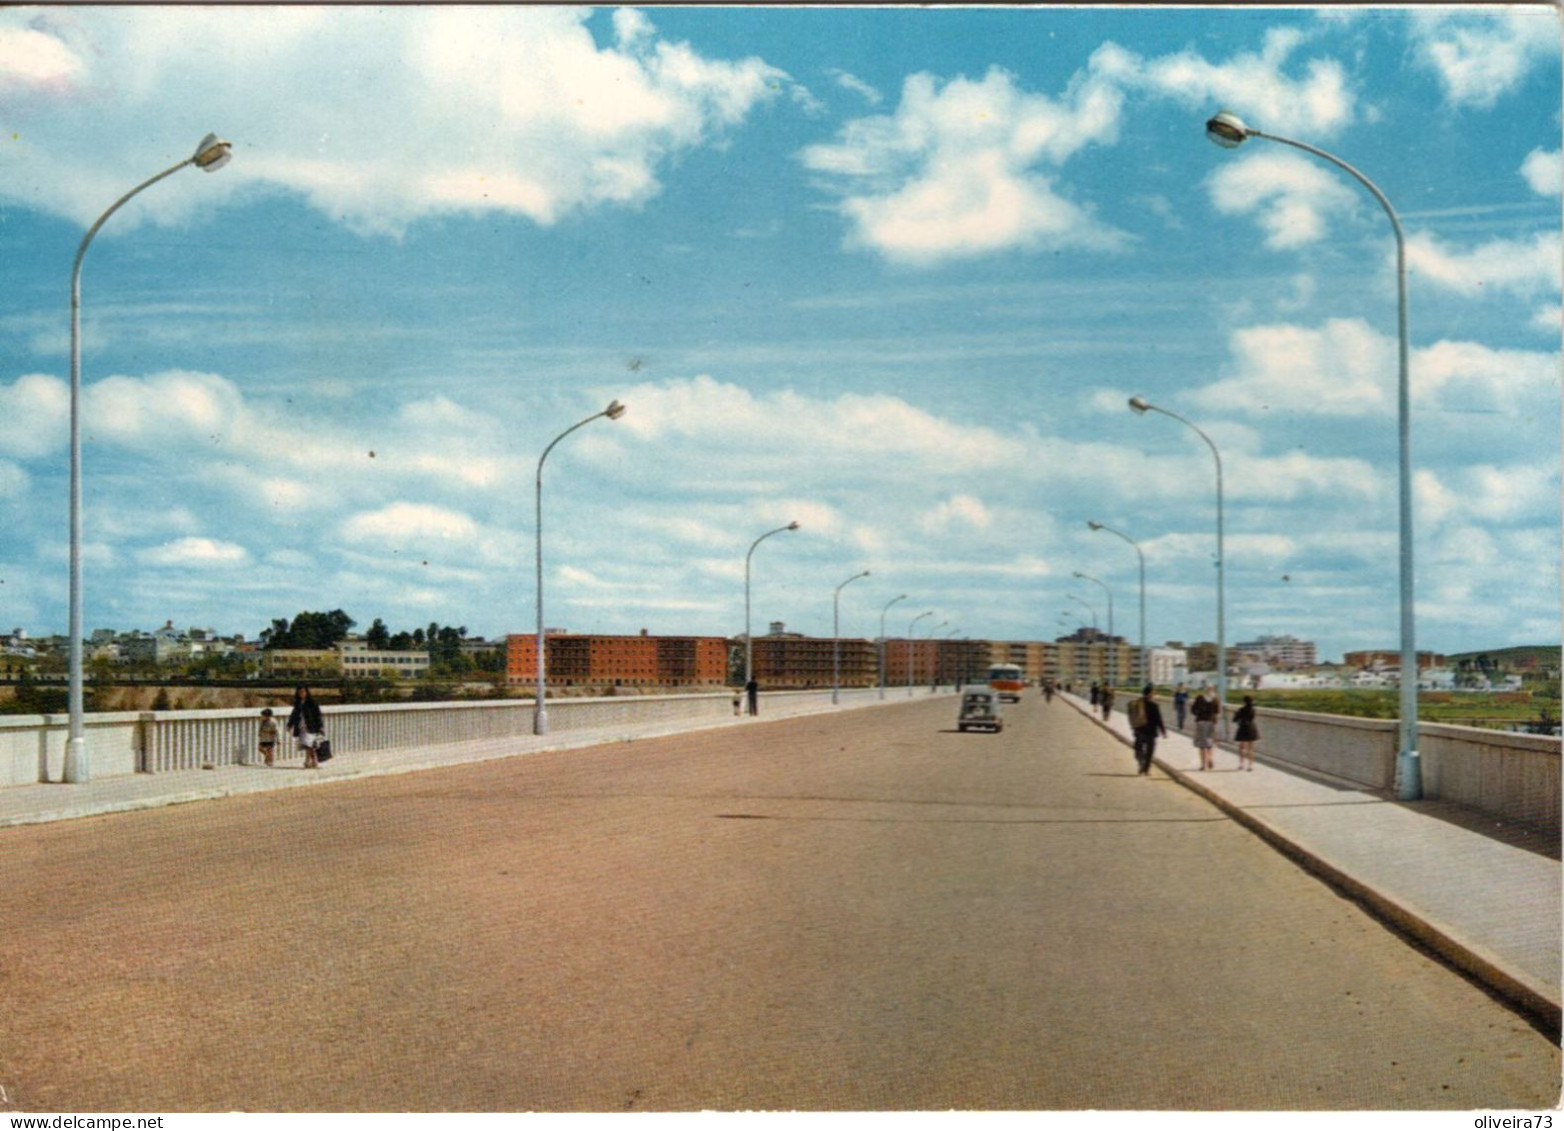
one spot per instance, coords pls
(890, 273)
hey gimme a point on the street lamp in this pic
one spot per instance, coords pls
(1145, 669)
(211, 155)
(948, 636)
(1113, 668)
(915, 620)
(836, 636)
(883, 611)
(1141, 407)
(1228, 130)
(749, 639)
(1079, 601)
(539, 709)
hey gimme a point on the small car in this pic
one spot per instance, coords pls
(980, 711)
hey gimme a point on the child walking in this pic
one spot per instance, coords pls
(268, 735)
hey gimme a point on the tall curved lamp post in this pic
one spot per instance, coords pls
(749, 639)
(1113, 668)
(914, 621)
(836, 636)
(540, 708)
(211, 155)
(1145, 668)
(883, 611)
(948, 636)
(1141, 407)
(1228, 130)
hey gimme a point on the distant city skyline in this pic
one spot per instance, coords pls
(890, 273)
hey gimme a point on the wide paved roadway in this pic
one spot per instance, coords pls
(865, 911)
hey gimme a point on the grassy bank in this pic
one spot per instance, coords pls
(1498, 710)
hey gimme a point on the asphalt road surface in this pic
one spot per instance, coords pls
(860, 912)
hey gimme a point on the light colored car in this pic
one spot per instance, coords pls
(980, 711)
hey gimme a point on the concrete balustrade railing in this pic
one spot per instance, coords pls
(1514, 777)
(32, 746)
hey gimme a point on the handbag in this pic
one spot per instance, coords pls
(323, 750)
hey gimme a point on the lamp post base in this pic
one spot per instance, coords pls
(540, 721)
(77, 770)
(1409, 776)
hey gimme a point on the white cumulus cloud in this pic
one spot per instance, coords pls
(34, 415)
(1479, 58)
(1521, 267)
(958, 511)
(380, 116)
(410, 524)
(1544, 171)
(1289, 196)
(1347, 368)
(1252, 83)
(957, 171)
(195, 553)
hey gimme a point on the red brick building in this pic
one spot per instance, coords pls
(619, 661)
(788, 660)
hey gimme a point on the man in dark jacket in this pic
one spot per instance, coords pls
(1146, 720)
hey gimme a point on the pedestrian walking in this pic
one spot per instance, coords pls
(306, 725)
(1096, 693)
(267, 738)
(1180, 705)
(1205, 709)
(1146, 722)
(752, 693)
(1247, 733)
(1105, 697)
(1048, 691)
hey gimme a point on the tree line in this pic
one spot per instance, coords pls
(325, 630)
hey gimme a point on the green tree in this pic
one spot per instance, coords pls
(378, 637)
(308, 630)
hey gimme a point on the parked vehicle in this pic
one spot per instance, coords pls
(1007, 680)
(980, 710)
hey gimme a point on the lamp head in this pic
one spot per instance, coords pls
(1227, 129)
(1140, 405)
(213, 153)
(614, 410)
(792, 525)
(1093, 524)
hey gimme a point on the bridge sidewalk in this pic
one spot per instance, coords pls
(1488, 904)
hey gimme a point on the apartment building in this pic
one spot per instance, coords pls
(1089, 656)
(911, 661)
(789, 660)
(1281, 651)
(619, 661)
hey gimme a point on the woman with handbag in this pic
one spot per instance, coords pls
(306, 725)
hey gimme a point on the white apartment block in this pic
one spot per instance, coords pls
(1282, 651)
